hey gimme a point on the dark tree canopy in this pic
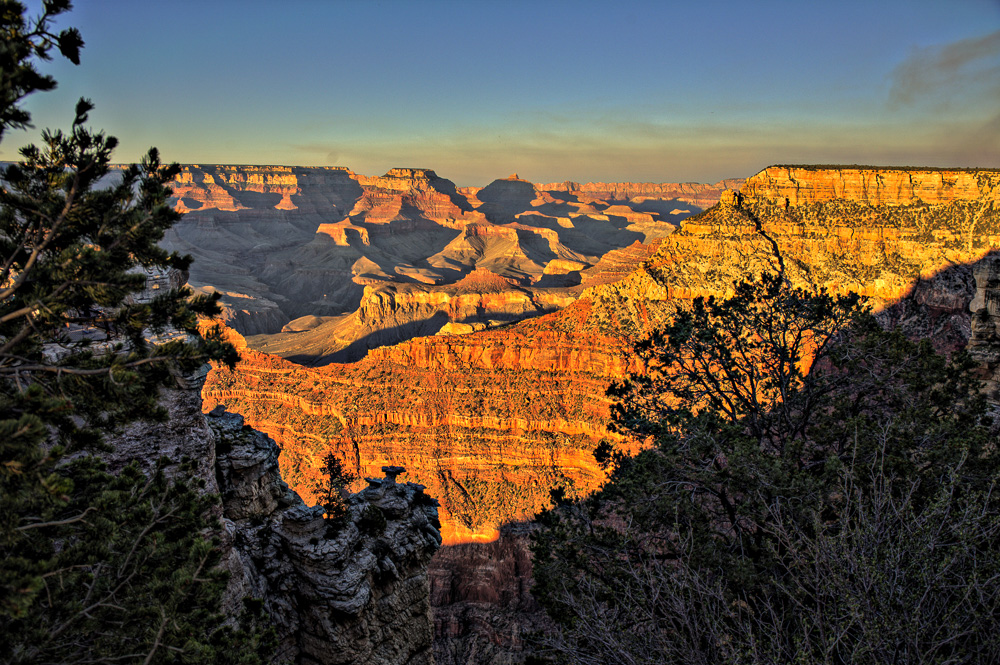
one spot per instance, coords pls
(818, 490)
(95, 567)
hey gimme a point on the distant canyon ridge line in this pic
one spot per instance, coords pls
(321, 264)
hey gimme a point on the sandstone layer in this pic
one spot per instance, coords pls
(471, 414)
(378, 260)
(488, 421)
(872, 186)
(647, 194)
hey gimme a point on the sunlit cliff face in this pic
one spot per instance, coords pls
(491, 421)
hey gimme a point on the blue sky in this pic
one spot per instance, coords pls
(585, 91)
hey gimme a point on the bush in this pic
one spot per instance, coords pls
(818, 490)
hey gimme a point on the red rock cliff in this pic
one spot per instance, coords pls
(489, 422)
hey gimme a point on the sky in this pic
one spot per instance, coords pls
(589, 91)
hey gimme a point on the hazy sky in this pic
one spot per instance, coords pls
(586, 91)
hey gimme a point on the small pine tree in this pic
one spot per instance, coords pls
(331, 495)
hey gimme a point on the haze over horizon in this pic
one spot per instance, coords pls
(585, 91)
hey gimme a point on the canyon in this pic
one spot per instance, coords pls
(492, 415)
(321, 264)
(492, 419)
(467, 411)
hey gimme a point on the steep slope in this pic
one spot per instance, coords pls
(489, 421)
(391, 313)
(349, 593)
(480, 407)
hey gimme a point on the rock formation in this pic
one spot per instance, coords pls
(483, 607)
(379, 260)
(352, 591)
(872, 186)
(984, 344)
(647, 195)
(488, 421)
(492, 420)
(477, 408)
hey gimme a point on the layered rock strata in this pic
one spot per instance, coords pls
(351, 591)
(282, 243)
(873, 186)
(470, 413)
(392, 313)
(696, 194)
(487, 421)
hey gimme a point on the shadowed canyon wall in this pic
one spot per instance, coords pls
(347, 593)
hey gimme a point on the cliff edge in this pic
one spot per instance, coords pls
(351, 592)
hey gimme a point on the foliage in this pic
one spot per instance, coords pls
(23, 41)
(126, 577)
(331, 494)
(94, 567)
(818, 490)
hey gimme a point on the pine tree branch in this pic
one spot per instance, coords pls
(49, 236)
(71, 520)
(159, 637)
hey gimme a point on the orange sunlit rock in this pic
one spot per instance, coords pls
(491, 420)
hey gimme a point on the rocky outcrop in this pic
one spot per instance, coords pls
(904, 238)
(232, 188)
(411, 194)
(872, 186)
(618, 264)
(353, 590)
(254, 316)
(984, 344)
(484, 612)
(390, 313)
